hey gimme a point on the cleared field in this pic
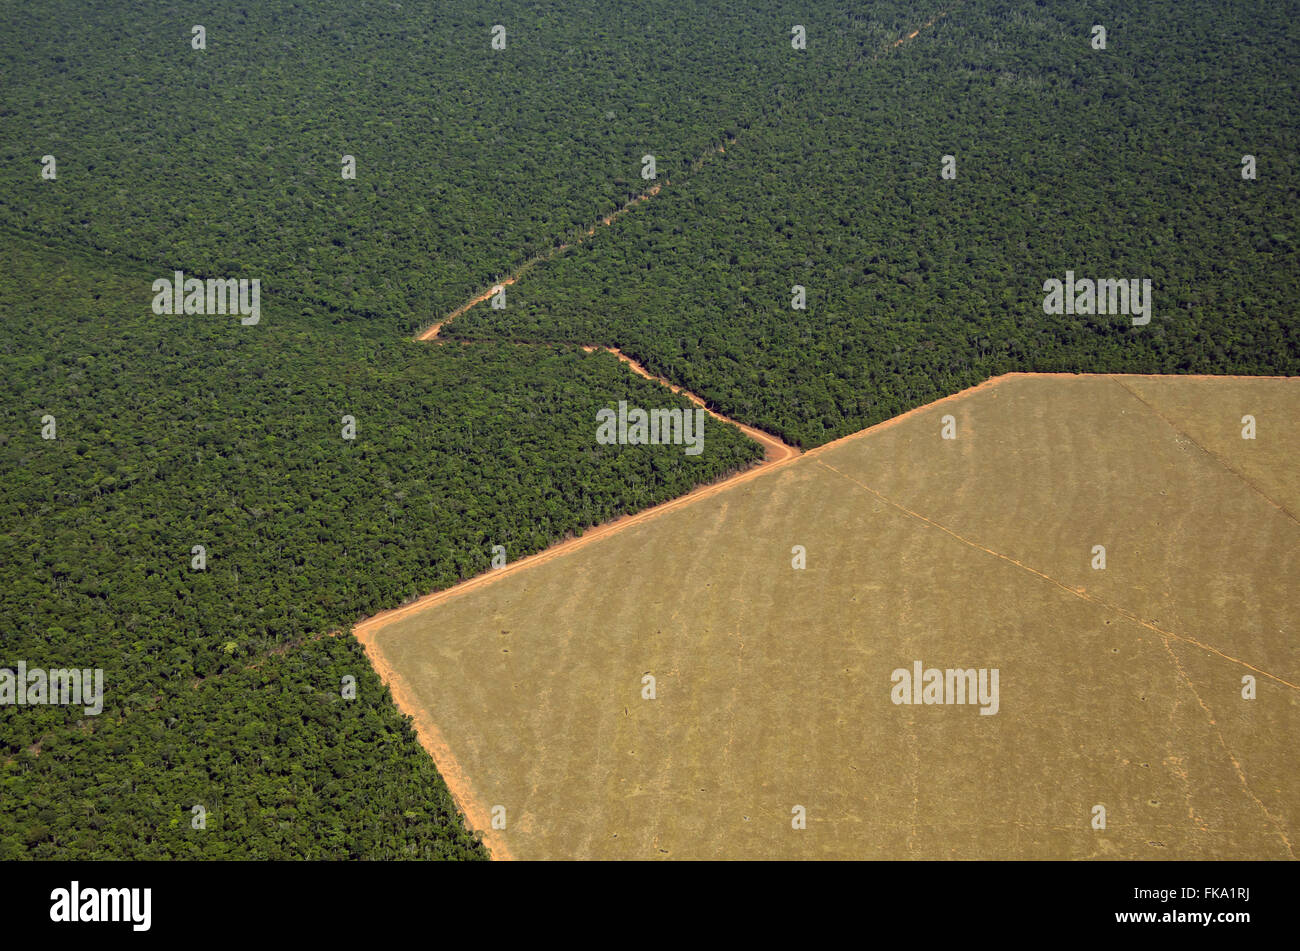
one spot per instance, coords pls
(1119, 687)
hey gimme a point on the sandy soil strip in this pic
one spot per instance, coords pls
(371, 624)
(915, 33)
(778, 455)
(775, 449)
(788, 453)
(474, 302)
(604, 222)
(431, 738)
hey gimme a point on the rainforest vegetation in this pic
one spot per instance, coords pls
(223, 687)
(1123, 163)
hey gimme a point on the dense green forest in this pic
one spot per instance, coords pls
(1122, 163)
(469, 160)
(223, 685)
(220, 688)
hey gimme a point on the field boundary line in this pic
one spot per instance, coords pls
(604, 529)
(1077, 592)
(435, 744)
(1209, 452)
(1278, 826)
(593, 534)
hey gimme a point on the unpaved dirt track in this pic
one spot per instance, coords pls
(432, 332)
(777, 454)
(1119, 686)
(776, 450)
(458, 784)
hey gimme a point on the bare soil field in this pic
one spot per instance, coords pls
(1119, 687)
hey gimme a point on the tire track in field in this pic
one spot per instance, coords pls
(1250, 483)
(1162, 633)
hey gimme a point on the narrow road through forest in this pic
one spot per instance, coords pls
(776, 453)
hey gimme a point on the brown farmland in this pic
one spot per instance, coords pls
(1119, 687)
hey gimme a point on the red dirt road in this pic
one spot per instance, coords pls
(776, 450)
(604, 222)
